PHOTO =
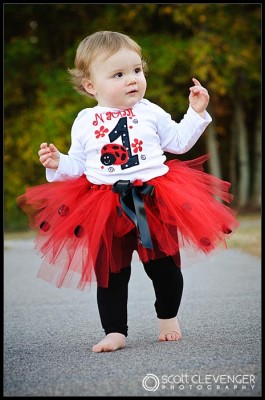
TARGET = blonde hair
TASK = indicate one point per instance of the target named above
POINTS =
(103, 42)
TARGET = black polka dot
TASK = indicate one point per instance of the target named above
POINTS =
(205, 241)
(79, 231)
(63, 210)
(45, 226)
(226, 230)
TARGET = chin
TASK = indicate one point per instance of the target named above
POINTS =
(133, 102)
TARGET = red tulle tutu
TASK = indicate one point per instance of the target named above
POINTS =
(84, 232)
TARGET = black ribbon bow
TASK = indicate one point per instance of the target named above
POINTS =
(125, 188)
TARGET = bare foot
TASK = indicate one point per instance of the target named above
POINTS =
(169, 330)
(113, 341)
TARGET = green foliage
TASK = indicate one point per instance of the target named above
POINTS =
(217, 43)
(167, 57)
(50, 120)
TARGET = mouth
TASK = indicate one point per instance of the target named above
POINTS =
(133, 91)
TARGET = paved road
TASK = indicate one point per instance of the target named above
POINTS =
(48, 334)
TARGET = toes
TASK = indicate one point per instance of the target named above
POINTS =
(174, 336)
(103, 348)
(113, 342)
(96, 349)
(171, 336)
(99, 348)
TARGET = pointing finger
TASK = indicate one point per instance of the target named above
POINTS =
(196, 82)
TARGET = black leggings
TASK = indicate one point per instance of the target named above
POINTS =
(168, 286)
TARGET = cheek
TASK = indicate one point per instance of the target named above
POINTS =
(115, 89)
(143, 84)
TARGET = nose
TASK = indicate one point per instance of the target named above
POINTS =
(131, 80)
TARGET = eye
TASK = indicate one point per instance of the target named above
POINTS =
(137, 70)
(119, 75)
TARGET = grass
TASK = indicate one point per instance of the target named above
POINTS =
(20, 235)
(247, 237)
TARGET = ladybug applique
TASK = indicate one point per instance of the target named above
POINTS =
(114, 154)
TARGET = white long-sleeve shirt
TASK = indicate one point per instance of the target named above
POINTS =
(109, 144)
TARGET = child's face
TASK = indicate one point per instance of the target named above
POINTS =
(117, 81)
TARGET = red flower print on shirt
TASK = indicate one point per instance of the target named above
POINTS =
(137, 145)
(101, 132)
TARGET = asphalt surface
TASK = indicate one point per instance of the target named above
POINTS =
(49, 332)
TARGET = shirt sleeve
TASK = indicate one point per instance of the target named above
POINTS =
(178, 138)
(71, 165)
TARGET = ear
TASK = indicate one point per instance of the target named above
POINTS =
(88, 86)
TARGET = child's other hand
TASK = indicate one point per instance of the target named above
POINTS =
(199, 97)
(49, 156)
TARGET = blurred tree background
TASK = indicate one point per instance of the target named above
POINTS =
(219, 44)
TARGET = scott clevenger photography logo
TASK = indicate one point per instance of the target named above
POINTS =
(150, 382)
(207, 382)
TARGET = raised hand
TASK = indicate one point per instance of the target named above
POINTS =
(49, 156)
(199, 97)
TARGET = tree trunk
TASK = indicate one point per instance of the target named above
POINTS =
(233, 161)
(243, 156)
(212, 147)
(256, 188)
